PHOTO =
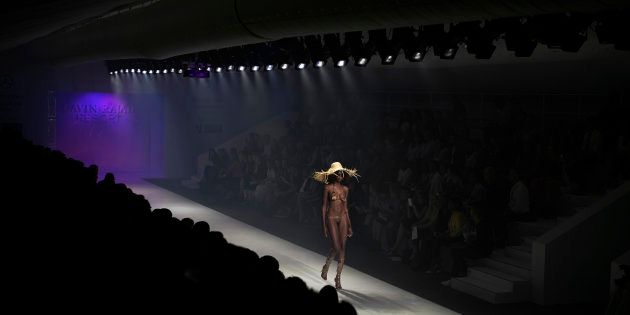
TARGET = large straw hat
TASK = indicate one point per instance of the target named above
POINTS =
(322, 176)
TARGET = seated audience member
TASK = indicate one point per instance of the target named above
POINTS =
(519, 199)
(451, 238)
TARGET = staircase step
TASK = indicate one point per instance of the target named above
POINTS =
(523, 253)
(528, 240)
(505, 267)
(534, 228)
(522, 248)
(498, 276)
(503, 256)
(483, 290)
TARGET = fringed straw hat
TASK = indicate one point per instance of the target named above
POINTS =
(322, 176)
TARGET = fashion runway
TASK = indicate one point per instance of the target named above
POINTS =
(368, 294)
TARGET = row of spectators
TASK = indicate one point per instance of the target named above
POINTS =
(75, 244)
(435, 185)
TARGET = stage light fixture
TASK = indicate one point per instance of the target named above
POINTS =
(269, 67)
(562, 31)
(388, 49)
(445, 45)
(301, 66)
(285, 52)
(339, 53)
(519, 36)
(480, 40)
(609, 29)
(317, 52)
(230, 68)
(361, 53)
(414, 44)
(255, 68)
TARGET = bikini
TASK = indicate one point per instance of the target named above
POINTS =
(335, 198)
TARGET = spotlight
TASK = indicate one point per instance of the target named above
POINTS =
(230, 67)
(172, 70)
(450, 53)
(340, 53)
(318, 53)
(164, 71)
(111, 73)
(126, 70)
(445, 45)
(218, 69)
(116, 72)
(138, 70)
(388, 49)
(241, 68)
(360, 52)
(207, 68)
(269, 67)
(414, 44)
(288, 51)
(133, 70)
(150, 71)
(255, 56)
(299, 50)
(144, 71)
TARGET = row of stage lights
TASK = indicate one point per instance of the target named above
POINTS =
(522, 35)
(241, 68)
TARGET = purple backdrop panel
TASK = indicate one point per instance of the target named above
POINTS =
(113, 131)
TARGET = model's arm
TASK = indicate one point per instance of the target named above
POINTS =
(348, 215)
(324, 208)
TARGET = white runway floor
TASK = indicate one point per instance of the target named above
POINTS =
(368, 294)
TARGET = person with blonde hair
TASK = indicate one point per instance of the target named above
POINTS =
(335, 217)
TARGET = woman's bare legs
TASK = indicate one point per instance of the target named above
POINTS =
(338, 232)
(331, 255)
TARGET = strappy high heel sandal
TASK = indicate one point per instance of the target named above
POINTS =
(338, 282)
(325, 270)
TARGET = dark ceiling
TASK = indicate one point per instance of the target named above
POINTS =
(66, 31)
(26, 20)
